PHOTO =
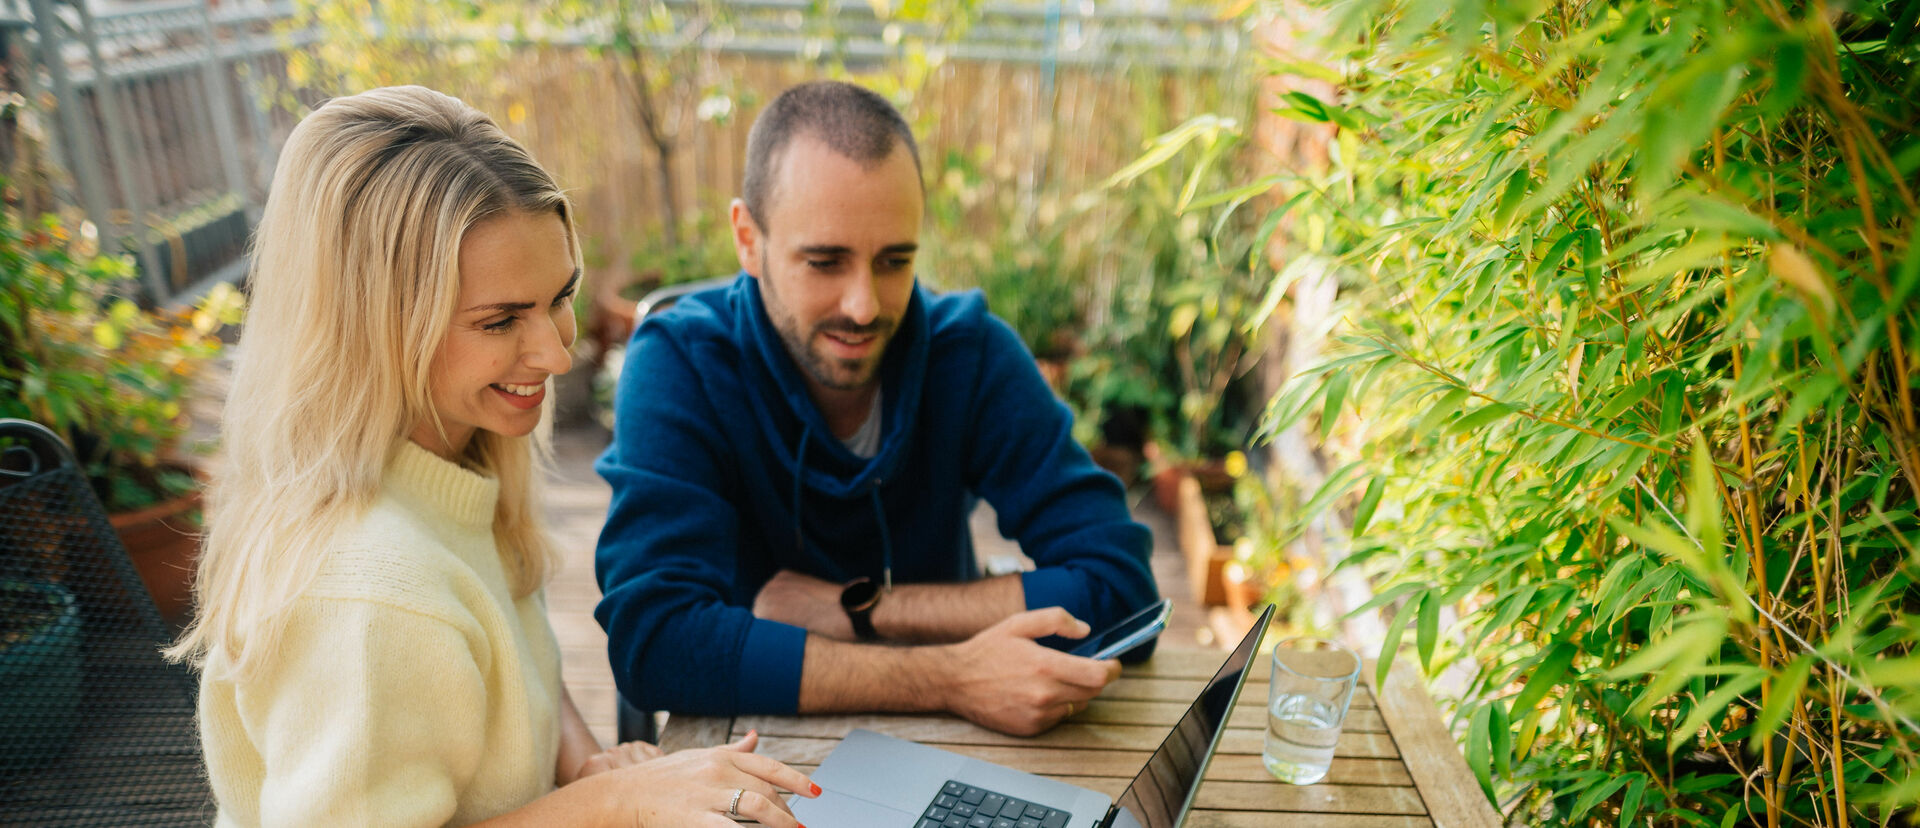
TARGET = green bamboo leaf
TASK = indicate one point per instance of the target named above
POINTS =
(1449, 404)
(1214, 147)
(1681, 115)
(1789, 78)
(1695, 254)
(1307, 105)
(1630, 802)
(1334, 486)
(1703, 711)
(1487, 414)
(1594, 796)
(1556, 255)
(1703, 502)
(1336, 396)
(1568, 166)
(1710, 214)
(1480, 748)
(1627, 398)
(1610, 594)
(1510, 198)
(1239, 193)
(1592, 259)
(1390, 595)
(1165, 147)
(1673, 389)
(1703, 629)
(1711, 568)
(1510, 609)
(1390, 644)
(1544, 677)
(1257, 252)
(1674, 660)
(1781, 694)
(1908, 278)
(1501, 731)
(1428, 632)
(1363, 514)
(1529, 733)
(1898, 672)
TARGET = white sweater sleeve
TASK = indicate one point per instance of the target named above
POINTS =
(369, 714)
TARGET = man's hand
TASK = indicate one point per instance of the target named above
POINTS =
(804, 601)
(1001, 679)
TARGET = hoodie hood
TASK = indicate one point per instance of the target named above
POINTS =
(795, 426)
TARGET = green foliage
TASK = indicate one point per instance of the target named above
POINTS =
(94, 367)
(1189, 315)
(1629, 327)
(705, 250)
(1035, 280)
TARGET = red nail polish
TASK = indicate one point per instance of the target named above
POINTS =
(816, 792)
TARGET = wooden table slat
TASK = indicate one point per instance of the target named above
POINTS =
(1395, 765)
(947, 731)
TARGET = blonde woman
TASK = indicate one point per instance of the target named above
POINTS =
(372, 631)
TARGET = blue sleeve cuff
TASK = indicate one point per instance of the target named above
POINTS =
(770, 669)
(1054, 586)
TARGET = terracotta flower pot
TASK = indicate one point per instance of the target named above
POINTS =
(1123, 462)
(615, 303)
(164, 542)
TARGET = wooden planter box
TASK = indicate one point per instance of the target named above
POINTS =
(1206, 560)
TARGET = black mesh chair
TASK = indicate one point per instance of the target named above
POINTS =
(95, 727)
(632, 723)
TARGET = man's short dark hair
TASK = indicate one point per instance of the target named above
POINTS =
(853, 121)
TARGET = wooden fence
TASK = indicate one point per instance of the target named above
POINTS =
(173, 155)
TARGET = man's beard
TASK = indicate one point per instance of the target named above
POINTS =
(830, 372)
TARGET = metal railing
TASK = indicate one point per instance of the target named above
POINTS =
(168, 145)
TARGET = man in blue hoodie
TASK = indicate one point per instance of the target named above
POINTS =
(796, 455)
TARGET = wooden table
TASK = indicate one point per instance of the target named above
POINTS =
(1395, 765)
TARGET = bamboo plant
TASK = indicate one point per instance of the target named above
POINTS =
(1628, 354)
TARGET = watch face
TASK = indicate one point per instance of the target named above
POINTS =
(859, 594)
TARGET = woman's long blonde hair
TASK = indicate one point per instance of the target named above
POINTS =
(354, 283)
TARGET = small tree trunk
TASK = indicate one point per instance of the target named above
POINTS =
(668, 183)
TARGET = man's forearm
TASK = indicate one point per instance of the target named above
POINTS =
(944, 613)
(843, 677)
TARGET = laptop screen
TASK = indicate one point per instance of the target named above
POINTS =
(1163, 791)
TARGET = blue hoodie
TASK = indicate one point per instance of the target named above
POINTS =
(724, 472)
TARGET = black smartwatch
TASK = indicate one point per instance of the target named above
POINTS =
(858, 598)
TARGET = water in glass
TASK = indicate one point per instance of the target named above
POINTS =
(1301, 732)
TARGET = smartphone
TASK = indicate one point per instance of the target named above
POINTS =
(1133, 631)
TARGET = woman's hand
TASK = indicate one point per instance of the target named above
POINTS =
(619, 756)
(696, 787)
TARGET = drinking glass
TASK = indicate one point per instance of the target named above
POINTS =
(1307, 702)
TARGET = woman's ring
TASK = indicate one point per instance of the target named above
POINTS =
(733, 808)
(1069, 708)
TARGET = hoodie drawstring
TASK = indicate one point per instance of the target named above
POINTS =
(886, 541)
(799, 475)
(879, 512)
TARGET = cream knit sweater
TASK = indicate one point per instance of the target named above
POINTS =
(411, 688)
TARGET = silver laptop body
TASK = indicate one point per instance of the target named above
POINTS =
(876, 781)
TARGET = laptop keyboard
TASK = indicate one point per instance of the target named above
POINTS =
(960, 805)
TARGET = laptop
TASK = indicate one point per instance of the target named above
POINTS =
(875, 781)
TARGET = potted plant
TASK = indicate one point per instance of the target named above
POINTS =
(79, 357)
(656, 263)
